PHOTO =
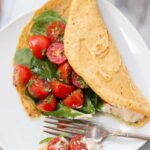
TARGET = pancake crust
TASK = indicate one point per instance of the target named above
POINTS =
(93, 55)
(102, 62)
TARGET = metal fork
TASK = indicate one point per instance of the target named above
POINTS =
(90, 129)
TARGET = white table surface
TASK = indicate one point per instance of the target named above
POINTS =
(137, 11)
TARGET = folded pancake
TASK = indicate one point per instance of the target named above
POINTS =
(91, 52)
(93, 55)
(63, 10)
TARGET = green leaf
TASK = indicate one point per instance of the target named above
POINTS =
(96, 101)
(99, 106)
(82, 82)
(65, 112)
(88, 107)
(43, 68)
(46, 140)
(92, 102)
(30, 98)
(23, 57)
(94, 98)
(43, 20)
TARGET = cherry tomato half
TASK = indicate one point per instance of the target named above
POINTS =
(55, 53)
(62, 124)
(48, 104)
(60, 90)
(58, 143)
(38, 88)
(55, 31)
(77, 144)
(39, 45)
(64, 72)
(78, 81)
(21, 75)
(75, 100)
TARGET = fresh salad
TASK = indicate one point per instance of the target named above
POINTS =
(49, 80)
(78, 142)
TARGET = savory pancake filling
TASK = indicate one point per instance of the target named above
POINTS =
(123, 113)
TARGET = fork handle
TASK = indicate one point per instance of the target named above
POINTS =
(132, 135)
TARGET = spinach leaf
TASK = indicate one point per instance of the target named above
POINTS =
(99, 106)
(82, 82)
(92, 102)
(43, 20)
(46, 140)
(43, 68)
(63, 111)
(94, 97)
(23, 56)
(96, 100)
(30, 98)
(88, 107)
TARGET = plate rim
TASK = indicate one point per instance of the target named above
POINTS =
(3, 28)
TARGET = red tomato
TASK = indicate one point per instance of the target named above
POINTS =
(39, 45)
(64, 72)
(55, 53)
(38, 88)
(62, 124)
(21, 75)
(58, 143)
(55, 30)
(77, 144)
(48, 104)
(60, 90)
(78, 81)
(75, 100)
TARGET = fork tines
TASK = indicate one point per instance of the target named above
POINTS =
(66, 127)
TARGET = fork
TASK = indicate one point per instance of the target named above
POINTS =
(91, 130)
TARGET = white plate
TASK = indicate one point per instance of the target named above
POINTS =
(18, 132)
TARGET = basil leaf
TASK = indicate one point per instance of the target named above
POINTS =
(46, 140)
(43, 68)
(63, 111)
(43, 20)
(23, 56)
